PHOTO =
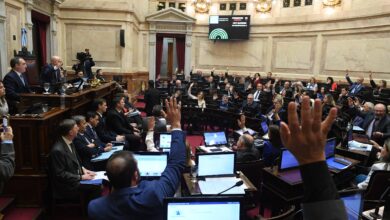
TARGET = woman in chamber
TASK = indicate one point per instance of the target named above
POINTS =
(3, 102)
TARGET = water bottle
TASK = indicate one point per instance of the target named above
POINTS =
(62, 101)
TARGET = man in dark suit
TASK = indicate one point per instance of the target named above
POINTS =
(355, 87)
(245, 150)
(152, 98)
(250, 107)
(132, 198)
(116, 121)
(7, 157)
(100, 107)
(87, 147)
(15, 83)
(377, 125)
(65, 171)
(51, 73)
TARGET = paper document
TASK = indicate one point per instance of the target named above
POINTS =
(100, 176)
(354, 145)
(241, 131)
(213, 186)
(106, 155)
(357, 128)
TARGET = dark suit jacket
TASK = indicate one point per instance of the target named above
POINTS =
(117, 122)
(13, 87)
(86, 153)
(104, 134)
(253, 108)
(64, 170)
(89, 133)
(354, 88)
(248, 155)
(152, 98)
(50, 75)
(383, 127)
(137, 202)
(7, 163)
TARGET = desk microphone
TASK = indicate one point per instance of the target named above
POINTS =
(238, 183)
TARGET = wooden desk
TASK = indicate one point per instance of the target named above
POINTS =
(76, 102)
(362, 156)
(34, 137)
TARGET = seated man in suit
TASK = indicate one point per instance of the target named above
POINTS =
(65, 170)
(245, 150)
(15, 83)
(257, 93)
(377, 125)
(250, 107)
(224, 104)
(355, 87)
(7, 158)
(152, 98)
(135, 199)
(51, 72)
(100, 107)
(87, 147)
(117, 122)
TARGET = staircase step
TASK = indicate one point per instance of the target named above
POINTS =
(6, 203)
(23, 214)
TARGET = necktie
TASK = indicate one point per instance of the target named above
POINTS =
(21, 78)
(257, 95)
(370, 128)
(80, 169)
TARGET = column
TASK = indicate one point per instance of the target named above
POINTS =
(53, 30)
(28, 24)
(3, 44)
(187, 58)
(318, 56)
(152, 55)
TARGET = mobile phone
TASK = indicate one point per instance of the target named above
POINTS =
(5, 123)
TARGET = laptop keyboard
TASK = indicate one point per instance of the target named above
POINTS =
(342, 161)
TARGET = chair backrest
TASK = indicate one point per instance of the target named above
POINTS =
(252, 170)
(379, 181)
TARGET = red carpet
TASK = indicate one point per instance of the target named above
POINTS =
(23, 214)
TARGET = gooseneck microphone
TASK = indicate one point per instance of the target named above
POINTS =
(375, 214)
(238, 183)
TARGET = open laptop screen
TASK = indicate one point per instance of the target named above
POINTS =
(215, 138)
(165, 141)
(353, 204)
(330, 147)
(216, 164)
(151, 164)
(264, 127)
(287, 160)
(194, 208)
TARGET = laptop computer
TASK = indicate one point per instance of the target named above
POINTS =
(151, 164)
(287, 160)
(264, 127)
(194, 208)
(353, 201)
(220, 164)
(216, 138)
(164, 142)
(333, 162)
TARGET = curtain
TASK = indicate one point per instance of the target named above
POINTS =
(41, 27)
(180, 51)
(159, 50)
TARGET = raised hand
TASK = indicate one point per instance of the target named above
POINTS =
(173, 112)
(306, 140)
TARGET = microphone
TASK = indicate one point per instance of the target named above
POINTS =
(238, 183)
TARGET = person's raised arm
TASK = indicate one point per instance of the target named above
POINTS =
(306, 140)
(189, 92)
(347, 77)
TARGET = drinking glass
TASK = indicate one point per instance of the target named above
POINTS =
(46, 87)
(45, 107)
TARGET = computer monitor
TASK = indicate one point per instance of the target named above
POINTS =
(195, 208)
(353, 201)
(214, 138)
(151, 164)
(287, 160)
(216, 164)
(330, 147)
(165, 140)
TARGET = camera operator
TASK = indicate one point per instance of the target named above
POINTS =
(88, 64)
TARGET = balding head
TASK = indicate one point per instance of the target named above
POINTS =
(245, 142)
(55, 60)
(122, 170)
(380, 110)
(360, 79)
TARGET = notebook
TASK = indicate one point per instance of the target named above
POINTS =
(151, 164)
(195, 208)
(333, 162)
(216, 164)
